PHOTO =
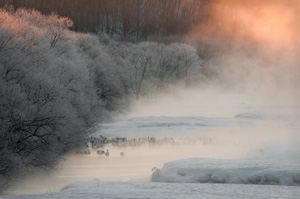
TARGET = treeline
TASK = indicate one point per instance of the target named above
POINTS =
(126, 18)
(55, 84)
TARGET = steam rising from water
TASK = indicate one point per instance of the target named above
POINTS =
(253, 47)
(268, 22)
(253, 68)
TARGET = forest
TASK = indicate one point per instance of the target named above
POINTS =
(56, 84)
(131, 19)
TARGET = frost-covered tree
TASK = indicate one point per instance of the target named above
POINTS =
(151, 66)
(44, 101)
(126, 19)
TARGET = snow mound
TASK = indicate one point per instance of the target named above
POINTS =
(241, 171)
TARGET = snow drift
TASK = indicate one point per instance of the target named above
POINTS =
(241, 171)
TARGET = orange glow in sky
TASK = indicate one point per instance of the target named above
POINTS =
(271, 22)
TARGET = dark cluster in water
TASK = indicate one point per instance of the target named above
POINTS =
(99, 143)
(102, 141)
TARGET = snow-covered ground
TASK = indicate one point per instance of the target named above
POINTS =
(149, 190)
(247, 152)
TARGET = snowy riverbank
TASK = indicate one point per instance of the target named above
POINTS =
(150, 190)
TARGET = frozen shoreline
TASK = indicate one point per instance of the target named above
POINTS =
(152, 190)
